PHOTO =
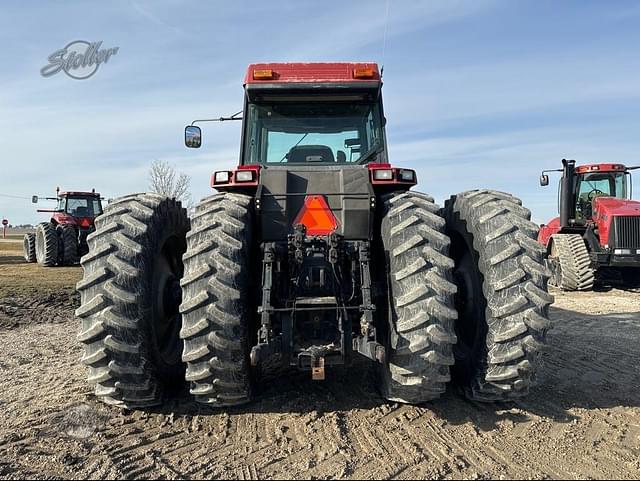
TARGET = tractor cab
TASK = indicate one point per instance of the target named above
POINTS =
(308, 115)
(593, 181)
(320, 124)
(80, 204)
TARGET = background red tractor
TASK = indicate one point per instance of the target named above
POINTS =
(63, 240)
(597, 235)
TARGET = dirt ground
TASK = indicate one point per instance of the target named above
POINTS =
(583, 421)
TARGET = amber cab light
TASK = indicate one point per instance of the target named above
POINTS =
(266, 74)
(363, 73)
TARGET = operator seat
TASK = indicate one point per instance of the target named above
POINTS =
(301, 154)
(81, 212)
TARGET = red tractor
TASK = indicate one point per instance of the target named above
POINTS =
(63, 240)
(597, 235)
(313, 253)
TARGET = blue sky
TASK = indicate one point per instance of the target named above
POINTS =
(477, 93)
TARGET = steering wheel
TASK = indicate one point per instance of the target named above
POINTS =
(592, 195)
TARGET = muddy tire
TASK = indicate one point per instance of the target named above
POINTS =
(570, 263)
(502, 298)
(216, 313)
(130, 295)
(69, 242)
(29, 247)
(46, 244)
(421, 320)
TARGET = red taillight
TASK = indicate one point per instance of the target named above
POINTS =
(85, 222)
(316, 216)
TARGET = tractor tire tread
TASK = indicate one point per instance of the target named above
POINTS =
(215, 308)
(29, 247)
(421, 289)
(46, 244)
(70, 246)
(114, 333)
(575, 264)
(514, 286)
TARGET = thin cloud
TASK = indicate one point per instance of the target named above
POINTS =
(477, 94)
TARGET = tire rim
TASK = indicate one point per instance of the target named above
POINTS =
(469, 301)
(167, 296)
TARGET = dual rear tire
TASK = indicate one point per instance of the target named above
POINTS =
(469, 294)
(130, 298)
(149, 321)
(52, 245)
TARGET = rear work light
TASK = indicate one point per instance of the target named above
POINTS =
(383, 174)
(407, 175)
(266, 74)
(316, 216)
(222, 177)
(244, 176)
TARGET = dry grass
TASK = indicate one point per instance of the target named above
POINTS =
(12, 237)
(19, 278)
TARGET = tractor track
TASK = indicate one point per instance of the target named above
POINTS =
(582, 422)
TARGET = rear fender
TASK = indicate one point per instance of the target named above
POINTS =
(63, 218)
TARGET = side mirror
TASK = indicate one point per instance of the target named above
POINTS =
(544, 180)
(192, 136)
(34, 199)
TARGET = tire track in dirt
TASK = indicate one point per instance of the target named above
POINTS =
(583, 421)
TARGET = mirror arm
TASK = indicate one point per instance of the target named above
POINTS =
(220, 119)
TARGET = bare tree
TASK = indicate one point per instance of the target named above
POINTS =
(164, 180)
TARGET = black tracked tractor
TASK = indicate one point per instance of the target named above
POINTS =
(313, 252)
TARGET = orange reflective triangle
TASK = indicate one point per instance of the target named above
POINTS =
(316, 216)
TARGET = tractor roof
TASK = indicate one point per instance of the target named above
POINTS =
(79, 194)
(280, 74)
(583, 169)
